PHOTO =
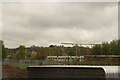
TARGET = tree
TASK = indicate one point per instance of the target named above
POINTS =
(96, 50)
(44, 51)
(4, 51)
(114, 47)
(33, 55)
(18, 55)
(41, 56)
(1, 49)
(21, 53)
(105, 48)
(52, 46)
(118, 47)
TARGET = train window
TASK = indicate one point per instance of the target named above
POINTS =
(65, 72)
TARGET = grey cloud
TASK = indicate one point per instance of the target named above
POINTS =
(46, 23)
(68, 16)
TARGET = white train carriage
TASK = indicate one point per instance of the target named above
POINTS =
(64, 58)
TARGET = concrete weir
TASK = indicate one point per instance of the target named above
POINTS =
(74, 72)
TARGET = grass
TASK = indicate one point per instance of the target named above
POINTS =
(108, 62)
(21, 65)
(99, 62)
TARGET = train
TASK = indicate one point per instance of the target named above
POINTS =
(86, 57)
(64, 58)
(73, 72)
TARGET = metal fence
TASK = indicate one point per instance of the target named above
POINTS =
(9, 61)
(57, 62)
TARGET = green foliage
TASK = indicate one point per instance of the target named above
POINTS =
(118, 47)
(43, 53)
(96, 50)
(0, 49)
(55, 51)
(4, 52)
(83, 51)
(106, 48)
(20, 54)
(41, 56)
(77, 50)
(33, 55)
(114, 47)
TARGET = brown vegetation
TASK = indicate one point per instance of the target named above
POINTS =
(12, 72)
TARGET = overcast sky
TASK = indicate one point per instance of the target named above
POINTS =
(49, 23)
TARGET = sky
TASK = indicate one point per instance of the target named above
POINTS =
(53, 23)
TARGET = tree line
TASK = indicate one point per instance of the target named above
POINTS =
(107, 48)
(40, 53)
